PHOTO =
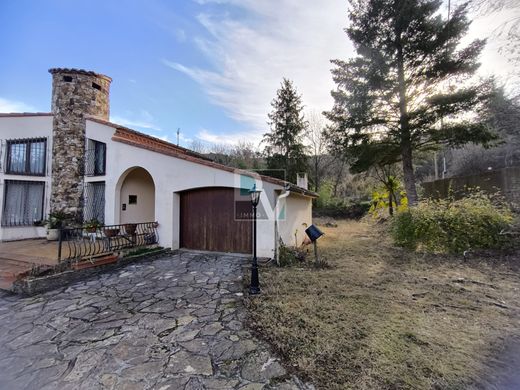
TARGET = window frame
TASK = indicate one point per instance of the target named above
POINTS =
(93, 146)
(89, 196)
(27, 163)
(7, 182)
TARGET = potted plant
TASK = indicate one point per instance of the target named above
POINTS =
(130, 228)
(54, 223)
(91, 226)
(38, 223)
(111, 231)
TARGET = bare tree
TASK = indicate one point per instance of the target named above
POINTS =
(246, 155)
(315, 138)
(508, 33)
(199, 146)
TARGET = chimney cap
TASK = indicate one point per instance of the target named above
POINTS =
(79, 71)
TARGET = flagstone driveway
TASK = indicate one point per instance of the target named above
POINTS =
(176, 322)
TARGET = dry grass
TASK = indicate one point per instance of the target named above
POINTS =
(385, 318)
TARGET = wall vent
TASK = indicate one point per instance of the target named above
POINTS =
(67, 79)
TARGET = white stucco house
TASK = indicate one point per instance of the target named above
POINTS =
(74, 158)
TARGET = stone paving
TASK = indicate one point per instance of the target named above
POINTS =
(176, 322)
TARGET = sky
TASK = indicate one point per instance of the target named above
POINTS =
(207, 67)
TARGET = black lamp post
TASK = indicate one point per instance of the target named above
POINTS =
(254, 288)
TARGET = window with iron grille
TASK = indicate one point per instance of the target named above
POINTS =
(26, 156)
(95, 201)
(23, 202)
(96, 158)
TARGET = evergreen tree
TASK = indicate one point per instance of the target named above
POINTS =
(284, 147)
(409, 88)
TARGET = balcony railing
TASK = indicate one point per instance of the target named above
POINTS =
(81, 243)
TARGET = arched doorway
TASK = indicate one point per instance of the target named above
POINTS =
(137, 196)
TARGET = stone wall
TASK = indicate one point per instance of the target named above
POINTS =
(75, 94)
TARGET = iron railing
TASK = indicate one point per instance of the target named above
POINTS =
(81, 243)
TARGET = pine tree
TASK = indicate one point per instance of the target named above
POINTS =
(284, 148)
(409, 88)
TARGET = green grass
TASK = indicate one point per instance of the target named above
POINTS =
(386, 318)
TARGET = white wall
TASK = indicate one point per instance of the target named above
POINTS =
(18, 128)
(170, 175)
(298, 217)
(138, 183)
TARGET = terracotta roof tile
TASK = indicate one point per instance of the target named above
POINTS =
(21, 114)
(78, 71)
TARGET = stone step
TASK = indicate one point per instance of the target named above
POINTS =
(11, 270)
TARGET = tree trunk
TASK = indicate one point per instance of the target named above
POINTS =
(337, 179)
(316, 176)
(390, 203)
(409, 176)
(406, 142)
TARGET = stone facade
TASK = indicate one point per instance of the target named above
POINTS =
(75, 95)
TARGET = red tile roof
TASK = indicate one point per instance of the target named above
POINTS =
(79, 71)
(19, 114)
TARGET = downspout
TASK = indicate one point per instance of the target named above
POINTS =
(276, 213)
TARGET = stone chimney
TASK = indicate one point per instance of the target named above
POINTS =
(76, 93)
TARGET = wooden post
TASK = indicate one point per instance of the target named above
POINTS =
(316, 258)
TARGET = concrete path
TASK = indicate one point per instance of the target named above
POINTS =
(176, 322)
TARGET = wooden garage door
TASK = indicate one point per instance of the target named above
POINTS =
(207, 221)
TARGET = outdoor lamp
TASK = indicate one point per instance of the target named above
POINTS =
(254, 287)
(255, 195)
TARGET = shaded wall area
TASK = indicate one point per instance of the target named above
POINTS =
(506, 180)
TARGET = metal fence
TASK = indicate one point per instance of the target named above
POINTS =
(80, 243)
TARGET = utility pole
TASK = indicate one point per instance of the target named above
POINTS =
(178, 133)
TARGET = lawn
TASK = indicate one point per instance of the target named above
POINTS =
(384, 318)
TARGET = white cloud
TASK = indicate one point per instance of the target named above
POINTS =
(142, 120)
(282, 38)
(7, 105)
(250, 56)
(227, 139)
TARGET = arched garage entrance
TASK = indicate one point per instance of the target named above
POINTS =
(137, 197)
(212, 219)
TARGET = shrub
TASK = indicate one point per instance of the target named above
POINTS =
(341, 209)
(288, 256)
(453, 226)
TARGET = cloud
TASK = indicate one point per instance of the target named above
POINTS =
(251, 53)
(142, 120)
(7, 105)
(250, 56)
(227, 139)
